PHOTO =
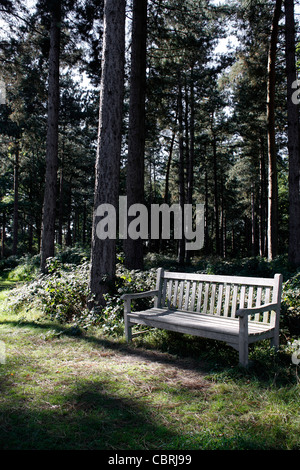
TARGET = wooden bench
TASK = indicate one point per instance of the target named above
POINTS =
(237, 310)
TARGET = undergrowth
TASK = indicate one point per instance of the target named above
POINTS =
(63, 293)
(66, 384)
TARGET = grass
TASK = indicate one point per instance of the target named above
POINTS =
(60, 390)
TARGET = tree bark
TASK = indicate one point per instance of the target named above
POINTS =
(191, 153)
(181, 250)
(272, 156)
(3, 234)
(16, 200)
(216, 193)
(136, 137)
(166, 195)
(103, 252)
(49, 206)
(190, 178)
(293, 139)
(262, 201)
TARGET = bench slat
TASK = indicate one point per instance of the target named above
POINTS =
(212, 299)
(258, 302)
(267, 300)
(250, 297)
(234, 300)
(242, 296)
(227, 296)
(220, 300)
(242, 280)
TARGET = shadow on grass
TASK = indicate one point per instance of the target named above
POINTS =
(90, 419)
(207, 357)
(185, 363)
(85, 414)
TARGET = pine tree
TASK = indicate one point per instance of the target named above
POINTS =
(103, 255)
(293, 139)
(49, 206)
(136, 134)
(272, 154)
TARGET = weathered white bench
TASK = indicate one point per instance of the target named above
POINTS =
(237, 310)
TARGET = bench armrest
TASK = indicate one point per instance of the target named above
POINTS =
(242, 312)
(140, 295)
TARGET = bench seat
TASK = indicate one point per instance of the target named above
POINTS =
(178, 320)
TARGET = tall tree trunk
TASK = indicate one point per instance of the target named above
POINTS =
(84, 224)
(190, 176)
(16, 200)
(3, 234)
(166, 195)
(272, 156)
(136, 138)
(253, 221)
(206, 228)
(181, 251)
(215, 169)
(223, 247)
(103, 252)
(61, 206)
(262, 200)
(191, 153)
(293, 139)
(49, 206)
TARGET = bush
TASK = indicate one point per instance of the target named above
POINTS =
(112, 318)
(27, 269)
(291, 305)
(62, 295)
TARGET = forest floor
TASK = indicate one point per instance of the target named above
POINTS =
(64, 391)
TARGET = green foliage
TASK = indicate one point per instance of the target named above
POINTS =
(66, 291)
(63, 293)
(127, 281)
(254, 266)
(26, 268)
(291, 306)
(291, 292)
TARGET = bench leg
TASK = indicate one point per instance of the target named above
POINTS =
(128, 332)
(128, 328)
(243, 355)
(243, 342)
(274, 343)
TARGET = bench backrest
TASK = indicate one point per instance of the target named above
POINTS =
(218, 295)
